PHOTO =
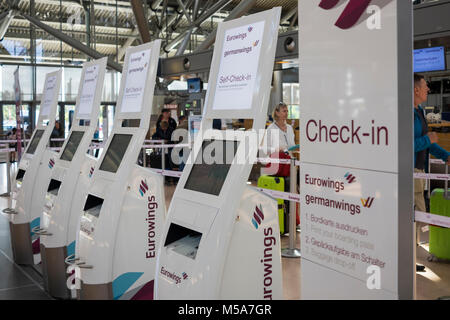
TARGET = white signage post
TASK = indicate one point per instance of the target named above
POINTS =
(356, 140)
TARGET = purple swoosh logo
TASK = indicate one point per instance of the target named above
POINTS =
(351, 14)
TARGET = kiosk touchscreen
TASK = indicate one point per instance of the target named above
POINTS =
(221, 238)
(122, 210)
(69, 176)
(32, 176)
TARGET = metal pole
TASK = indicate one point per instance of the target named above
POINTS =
(144, 160)
(292, 252)
(242, 8)
(163, 162)
(71, 41)
(8, 177)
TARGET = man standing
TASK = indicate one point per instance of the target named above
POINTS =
(424, 142)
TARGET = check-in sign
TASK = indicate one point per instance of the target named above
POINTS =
(355, 79)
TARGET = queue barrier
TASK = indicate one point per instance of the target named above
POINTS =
(425, 217)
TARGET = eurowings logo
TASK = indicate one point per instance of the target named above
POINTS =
(351, 14)
(367, 203)
(350, 178)
(255, 43)
(51, 163)
(185, 276)
(250, 29)
(143, 187)
(91, 172)
(258, 216)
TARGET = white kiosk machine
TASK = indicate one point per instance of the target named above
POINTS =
(124, 207)
(32, 176)
(66, 180)
(221, 239)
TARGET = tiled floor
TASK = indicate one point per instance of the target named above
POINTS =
(21, 282)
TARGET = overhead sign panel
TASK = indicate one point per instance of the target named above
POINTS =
(136, 80)
(238, 67)
(88, 92)
(48, 95)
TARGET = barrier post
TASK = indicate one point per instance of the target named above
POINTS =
(144, 158)
(291, 251)
(8, 176)
(163, 162)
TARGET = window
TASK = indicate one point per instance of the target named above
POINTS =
(291, 96)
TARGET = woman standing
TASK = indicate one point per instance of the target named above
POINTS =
(279, 135)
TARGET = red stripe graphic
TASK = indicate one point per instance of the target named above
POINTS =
(258, 220)
(328, 4)
(144, 185)
(259, 212)
(351, 14)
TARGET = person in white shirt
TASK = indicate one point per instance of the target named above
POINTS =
(279, 134)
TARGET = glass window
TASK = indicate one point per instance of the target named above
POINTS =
(111, 86)
(9, 116)
(69, 111)
(72, 78)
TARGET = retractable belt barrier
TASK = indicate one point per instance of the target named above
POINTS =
(425, 217)
(432, 219)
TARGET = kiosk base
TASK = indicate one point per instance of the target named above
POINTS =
(54, 271)
(21, 243)
(95, 291)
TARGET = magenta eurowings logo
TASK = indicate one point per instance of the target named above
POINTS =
(351, 14)
(258, 216)
(350, 178)
(143, 187)
(51, 163)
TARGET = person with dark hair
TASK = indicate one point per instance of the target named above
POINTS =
(56, 134)
(425, 142)
(12, 135)
(165, 116)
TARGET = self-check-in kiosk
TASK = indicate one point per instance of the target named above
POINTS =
(221, 237)
(66, 179)
(124, 207)
(32, 177)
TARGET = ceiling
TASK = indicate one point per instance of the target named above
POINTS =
(113, 26)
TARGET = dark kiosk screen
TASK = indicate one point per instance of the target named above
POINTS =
(72, 145)
(211, 167)
(116, 150)
(34, 143)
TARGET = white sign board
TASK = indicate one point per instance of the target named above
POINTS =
(238, 66)
(351, 91)
(133, 93)
(348, 222)
(88, 92)
(48, 95)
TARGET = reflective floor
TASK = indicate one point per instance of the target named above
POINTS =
(21, 282)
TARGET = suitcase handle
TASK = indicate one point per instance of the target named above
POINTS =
(446, 196)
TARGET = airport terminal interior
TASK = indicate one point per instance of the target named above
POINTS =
(61, 80)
